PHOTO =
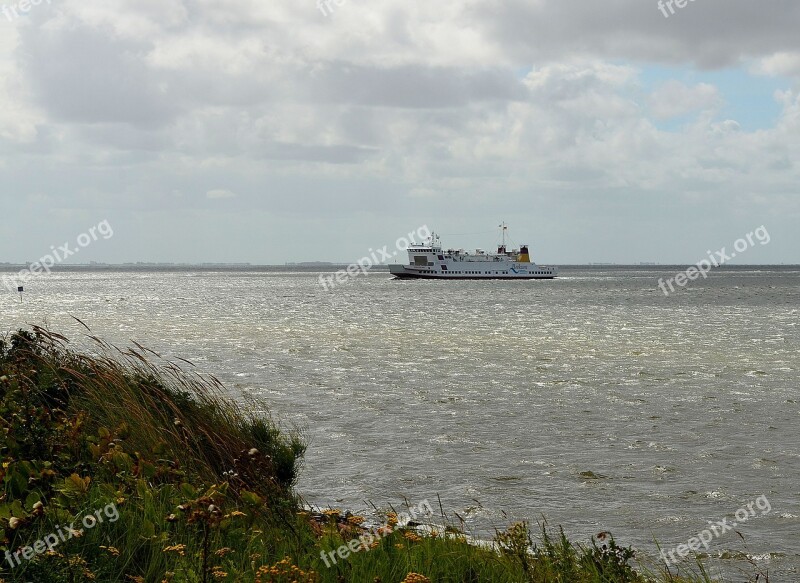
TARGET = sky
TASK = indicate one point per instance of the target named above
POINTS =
(272, 132)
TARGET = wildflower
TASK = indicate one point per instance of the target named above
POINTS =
(172, 518)
(180, 549)
(14, 522)
(223, 551)
(111, 550)
(355, 519)
(414, 538)
(332, 515)
(285, 568)
(415, 578)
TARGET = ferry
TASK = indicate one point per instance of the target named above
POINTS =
(429, 261)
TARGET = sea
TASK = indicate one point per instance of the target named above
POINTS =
(593, 402)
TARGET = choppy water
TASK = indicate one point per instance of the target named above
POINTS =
(500, 397)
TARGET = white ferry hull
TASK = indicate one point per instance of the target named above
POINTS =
(408, 272)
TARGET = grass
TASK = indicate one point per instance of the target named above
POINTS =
(186, 485)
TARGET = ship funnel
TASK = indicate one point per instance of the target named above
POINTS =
(523, 256)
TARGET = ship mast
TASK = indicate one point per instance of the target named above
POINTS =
(503, 228)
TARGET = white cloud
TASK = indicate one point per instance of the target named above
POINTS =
(675, 99)
(220, 193)
(781, 63)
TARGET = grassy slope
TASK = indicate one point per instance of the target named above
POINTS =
(191, 487)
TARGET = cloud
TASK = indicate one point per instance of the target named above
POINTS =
(470, 106)
(83, 75)
(675, 99)
(706, 34)
(219, 193)
(782, 63)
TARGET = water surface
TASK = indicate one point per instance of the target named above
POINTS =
(591, 400)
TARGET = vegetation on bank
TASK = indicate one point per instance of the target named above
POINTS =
(183, 484)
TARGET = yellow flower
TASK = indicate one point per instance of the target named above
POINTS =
(180, 549)
(355, 520)
(416, 578)
(285, 568)
(111, 550)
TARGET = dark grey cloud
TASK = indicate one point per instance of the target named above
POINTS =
(708, 33)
